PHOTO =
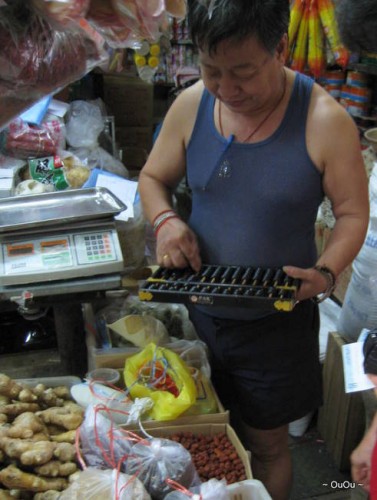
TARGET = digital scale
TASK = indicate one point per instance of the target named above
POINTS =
(59, 242)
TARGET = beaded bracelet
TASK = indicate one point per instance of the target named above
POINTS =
(163, 217)
(331, 283)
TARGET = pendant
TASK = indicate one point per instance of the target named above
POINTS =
(225, 169)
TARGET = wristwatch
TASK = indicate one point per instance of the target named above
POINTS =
(331, 283)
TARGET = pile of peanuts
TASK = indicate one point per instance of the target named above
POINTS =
(213, 456)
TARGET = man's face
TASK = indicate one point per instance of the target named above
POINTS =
(243, 75)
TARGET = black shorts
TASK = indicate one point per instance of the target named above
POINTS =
(268, 367)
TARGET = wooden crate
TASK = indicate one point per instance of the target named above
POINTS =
(341, 419)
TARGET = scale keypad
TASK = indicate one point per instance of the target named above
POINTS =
(94, 248)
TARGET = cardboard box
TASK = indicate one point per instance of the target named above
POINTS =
(341, 419)
(343, 281)
(208, 430)
(133, 158)
(136, 137)
(118, 360)
(322, 234)
(129, 100)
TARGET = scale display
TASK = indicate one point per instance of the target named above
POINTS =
(31, 259)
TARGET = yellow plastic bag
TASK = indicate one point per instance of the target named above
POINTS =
(160, 374)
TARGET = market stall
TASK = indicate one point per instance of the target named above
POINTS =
(153, 430)
(156, 427)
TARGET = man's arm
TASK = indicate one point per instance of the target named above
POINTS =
(166, 166)
(334, 145)
(362, 455)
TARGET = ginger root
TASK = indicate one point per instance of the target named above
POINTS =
(27, 396)
(15, 409)
(53, 396)
(5, 495)
(55, 468)
(69, 417)
(27, 451)
(63, 392)
(64, 437)
(12, 477)
(26, 425)
(65, 452)
(8, 387)
(48, 398)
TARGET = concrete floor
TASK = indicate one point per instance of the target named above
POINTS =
(315, 473)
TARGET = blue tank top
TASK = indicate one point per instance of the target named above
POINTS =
(254, 204)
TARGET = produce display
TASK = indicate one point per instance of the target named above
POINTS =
(37, 434)
(213, 456)
(313, 29)
(52, 448)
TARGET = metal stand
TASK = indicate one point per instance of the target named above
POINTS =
(70, 334)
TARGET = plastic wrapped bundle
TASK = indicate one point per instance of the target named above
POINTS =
(37, 58)
(22, 140)
(96, 484)
(62, 11)
(157, 461)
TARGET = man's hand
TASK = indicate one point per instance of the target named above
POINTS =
(360, 464)
(312, 281)
(177, 246)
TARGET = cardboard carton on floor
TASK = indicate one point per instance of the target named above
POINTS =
(341, 419)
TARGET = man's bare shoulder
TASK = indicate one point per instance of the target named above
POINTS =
(184, 109)
(331, 131)
(326, 112)
(190, 97)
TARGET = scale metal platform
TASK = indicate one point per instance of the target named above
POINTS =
(59, 242)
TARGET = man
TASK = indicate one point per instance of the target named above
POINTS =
(260, 147)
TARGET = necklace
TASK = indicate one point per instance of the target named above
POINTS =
(260, 125)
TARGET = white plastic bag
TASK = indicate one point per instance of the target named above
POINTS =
(211, 490)
(97, 484)
(84, 124)
(155, 460)
(141, 330)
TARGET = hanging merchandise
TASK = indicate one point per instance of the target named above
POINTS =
(300, 48)
(316, 53)
(62, 11)
(297, 12)
(326, 10)
(48, 44)
(313, 29)
(147, 60)
(38, 57)
(124, 23)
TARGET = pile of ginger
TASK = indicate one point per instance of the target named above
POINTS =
(37, 435)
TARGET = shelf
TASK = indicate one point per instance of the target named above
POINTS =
(182, 42)
(364, 68)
